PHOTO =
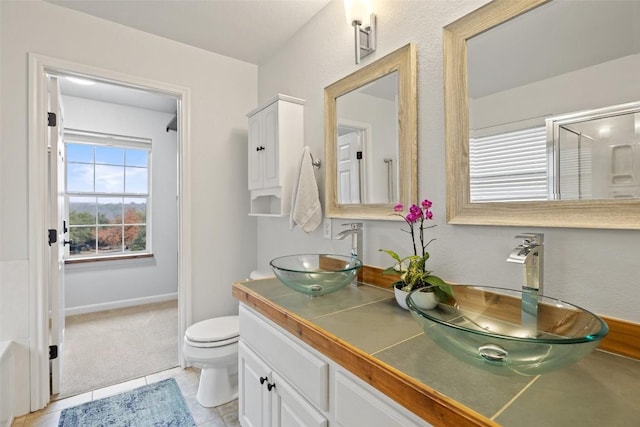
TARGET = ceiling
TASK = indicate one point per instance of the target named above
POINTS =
(247, 30)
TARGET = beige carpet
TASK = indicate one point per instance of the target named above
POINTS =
(113, 346)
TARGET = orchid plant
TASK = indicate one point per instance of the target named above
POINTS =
(412, 268)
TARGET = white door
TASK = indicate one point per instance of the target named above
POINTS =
(349, 144)
(57, 227)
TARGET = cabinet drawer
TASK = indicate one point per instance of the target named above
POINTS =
(303, 370)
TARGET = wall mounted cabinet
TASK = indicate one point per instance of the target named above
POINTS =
(276, 134)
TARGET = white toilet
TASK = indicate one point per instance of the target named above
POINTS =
(260, 274)
(212, 345)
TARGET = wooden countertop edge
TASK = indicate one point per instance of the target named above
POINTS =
(417, 397)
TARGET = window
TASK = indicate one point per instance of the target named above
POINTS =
(509, 166)
(107, 195)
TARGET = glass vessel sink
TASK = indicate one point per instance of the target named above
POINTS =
(510, 332)
(316, 274)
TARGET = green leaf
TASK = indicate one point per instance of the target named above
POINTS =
(391, 270)
(434, 280)
(392, 254)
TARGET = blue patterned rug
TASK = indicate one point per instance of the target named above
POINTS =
(159, 404)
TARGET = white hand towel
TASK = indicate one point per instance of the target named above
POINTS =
(306, 210)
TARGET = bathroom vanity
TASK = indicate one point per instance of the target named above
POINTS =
(284, 382)
(354, 357)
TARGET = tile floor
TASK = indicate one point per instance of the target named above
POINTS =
(221, 416)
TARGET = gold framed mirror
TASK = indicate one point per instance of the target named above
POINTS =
(371, 138)
(611, 212)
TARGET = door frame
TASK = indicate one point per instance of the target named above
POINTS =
(39, 296)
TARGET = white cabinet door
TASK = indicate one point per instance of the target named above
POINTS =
(271, 142)
(290, 409)
(254, 400)
(255, 152)
(264, 139)
(358, 404)
(308, 373)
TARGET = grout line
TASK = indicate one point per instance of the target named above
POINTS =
(395, 344)
(350, 308)
(513, 399)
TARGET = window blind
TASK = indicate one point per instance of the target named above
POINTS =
(510, 166)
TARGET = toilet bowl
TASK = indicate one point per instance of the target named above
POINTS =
(212, 345)
(260, 274)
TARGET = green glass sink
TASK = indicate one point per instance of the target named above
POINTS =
(316, 274)
(509, 332)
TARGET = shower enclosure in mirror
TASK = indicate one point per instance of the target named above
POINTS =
(587, 155)
(518, 80)
(371, 138)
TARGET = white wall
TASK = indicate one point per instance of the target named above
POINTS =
(221, 92)
(596, 269)
(563, 94)
(98, 285)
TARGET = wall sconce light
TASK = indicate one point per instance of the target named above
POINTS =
(365, 35)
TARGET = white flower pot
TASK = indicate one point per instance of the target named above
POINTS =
(401, 297)
(425, 299)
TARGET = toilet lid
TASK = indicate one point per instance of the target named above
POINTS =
(212, 330)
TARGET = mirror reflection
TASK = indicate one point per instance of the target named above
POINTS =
(371, 133)
(513, 68)
(367, 143)
(521, 147)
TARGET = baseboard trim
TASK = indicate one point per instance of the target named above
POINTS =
(119, 304)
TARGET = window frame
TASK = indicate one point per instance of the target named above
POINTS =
(73, 136)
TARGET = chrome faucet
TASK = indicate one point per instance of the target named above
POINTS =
(355, 231)
(531, 255)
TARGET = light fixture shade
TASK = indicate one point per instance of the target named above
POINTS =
(357, 10)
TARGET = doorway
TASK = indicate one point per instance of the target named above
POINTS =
(43, 295)
(118, 186)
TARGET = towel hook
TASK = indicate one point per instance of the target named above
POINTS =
(315, 162)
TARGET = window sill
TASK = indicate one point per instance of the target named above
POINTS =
(106, 258)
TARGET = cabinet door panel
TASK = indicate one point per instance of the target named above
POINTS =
(253, 400)
(270, 141)
(290, 409)
(357, 406)
(255, 152)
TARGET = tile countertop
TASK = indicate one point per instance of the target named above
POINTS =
(602, 389)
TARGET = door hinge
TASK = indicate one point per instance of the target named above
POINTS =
(53, 236)
(52, 120)
(53, 352)
(359, 155)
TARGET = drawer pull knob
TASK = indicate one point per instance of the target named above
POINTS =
(271, 386)
(263, 379)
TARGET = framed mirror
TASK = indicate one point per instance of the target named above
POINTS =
(517, 76)
(371, 139)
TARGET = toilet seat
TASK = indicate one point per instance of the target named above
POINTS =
(216, 332)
